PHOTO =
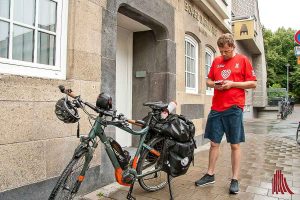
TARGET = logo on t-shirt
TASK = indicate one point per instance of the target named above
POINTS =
(226, 73)
(220, 65)
(237, 65)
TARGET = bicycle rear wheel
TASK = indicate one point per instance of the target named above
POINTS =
(297, 133)
(70, 180)
(149, 162)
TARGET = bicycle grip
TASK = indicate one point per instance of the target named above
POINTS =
(68, 92)
(134, 122)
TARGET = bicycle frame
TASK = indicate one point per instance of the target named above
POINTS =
(97, 130)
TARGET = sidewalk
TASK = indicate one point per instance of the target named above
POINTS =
(270, 145)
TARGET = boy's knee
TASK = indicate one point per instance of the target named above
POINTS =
(214, 145)
(235, 147)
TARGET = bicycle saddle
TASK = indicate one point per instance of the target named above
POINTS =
(156, 105)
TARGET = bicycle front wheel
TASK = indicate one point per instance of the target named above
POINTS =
(149, 162)
(70, 180)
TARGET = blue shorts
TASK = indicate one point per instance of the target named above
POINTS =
(229, 122)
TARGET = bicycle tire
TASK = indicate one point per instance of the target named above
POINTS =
(68, 180)
(152, 162)
(297, 133)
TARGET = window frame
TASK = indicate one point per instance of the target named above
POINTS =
(192, 41)
(17, 67)
(208, 50)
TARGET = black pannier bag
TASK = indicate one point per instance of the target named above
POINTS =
(178, 128)
(177, 157)
(179, 143)
(175, 126)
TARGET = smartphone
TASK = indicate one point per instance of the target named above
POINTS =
(218, 82)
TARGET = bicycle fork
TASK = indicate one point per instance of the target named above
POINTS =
(81, 176)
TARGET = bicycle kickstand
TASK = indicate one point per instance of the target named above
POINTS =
(129, 196)
(170, 188)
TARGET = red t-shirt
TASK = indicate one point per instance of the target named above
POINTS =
(237, 69)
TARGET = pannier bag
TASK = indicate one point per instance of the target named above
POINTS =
(177, 157)
(179, 146)
(175, 126)
(178, 128)
(179, 143)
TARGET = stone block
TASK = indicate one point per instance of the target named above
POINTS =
(199, 126)
(109, 35)
(86, 30)
(30, 121)
(108, 76)
(84, 66)
(193, 111)
(22, 164)
(58, 153)
(17, 88)
(89, 90)
(101, 3)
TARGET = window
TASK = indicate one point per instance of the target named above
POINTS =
(209, 56)
(33, 40)
(191, 65)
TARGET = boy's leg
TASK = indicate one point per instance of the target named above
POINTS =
(213, 156)
(233, 124)
(214, 132)
(235, 160)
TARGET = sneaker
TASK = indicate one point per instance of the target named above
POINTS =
(234, 187)
(206, 179)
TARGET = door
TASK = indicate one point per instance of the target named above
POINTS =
(124, 81)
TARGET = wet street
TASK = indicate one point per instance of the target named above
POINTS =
(270, 146)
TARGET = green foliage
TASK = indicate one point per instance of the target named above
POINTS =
(275, 91)
(295, 80)
(100, 194)
(279, 50)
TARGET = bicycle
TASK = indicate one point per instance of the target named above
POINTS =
(146, 164)
(285, 108)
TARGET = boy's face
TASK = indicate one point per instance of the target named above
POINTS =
(226, 51)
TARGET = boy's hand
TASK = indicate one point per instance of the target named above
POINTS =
(227, 84)
(218, 85)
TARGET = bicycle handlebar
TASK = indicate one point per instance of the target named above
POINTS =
(70, 93)
(110, 113)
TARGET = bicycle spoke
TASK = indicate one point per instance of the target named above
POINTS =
(149, 163)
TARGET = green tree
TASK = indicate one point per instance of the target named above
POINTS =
(279, 50)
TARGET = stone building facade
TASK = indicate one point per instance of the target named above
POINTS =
(135, 50)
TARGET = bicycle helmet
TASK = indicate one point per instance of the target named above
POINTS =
(65, 111)
(104, 101)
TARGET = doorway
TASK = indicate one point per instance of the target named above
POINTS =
(124, 55)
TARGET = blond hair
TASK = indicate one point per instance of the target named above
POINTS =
(226, 38)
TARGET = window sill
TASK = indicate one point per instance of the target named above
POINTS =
(32, 71)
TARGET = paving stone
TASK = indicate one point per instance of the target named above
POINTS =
(257, 190)
(261, 197)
